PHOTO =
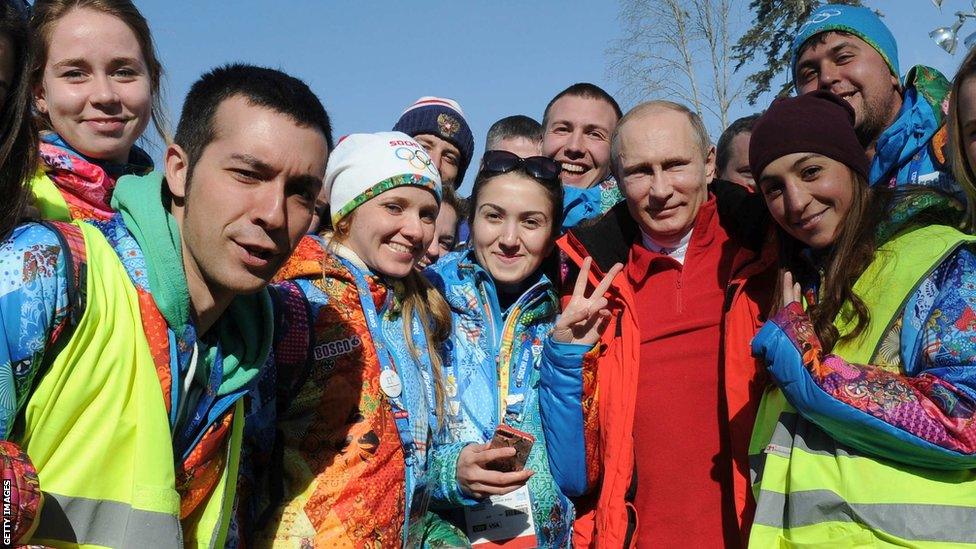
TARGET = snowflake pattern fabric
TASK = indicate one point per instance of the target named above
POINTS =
(484, 340)
(935, 397)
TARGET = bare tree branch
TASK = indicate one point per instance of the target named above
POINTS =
(679, 50)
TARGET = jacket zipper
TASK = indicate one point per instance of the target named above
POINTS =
(677, 293)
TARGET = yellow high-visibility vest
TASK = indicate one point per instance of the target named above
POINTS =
(97, 430)
(812, 491)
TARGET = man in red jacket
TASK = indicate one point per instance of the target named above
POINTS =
(669, 414)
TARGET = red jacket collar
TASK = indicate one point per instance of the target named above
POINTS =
(641, 261)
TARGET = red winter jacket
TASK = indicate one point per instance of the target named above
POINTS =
(606, 517)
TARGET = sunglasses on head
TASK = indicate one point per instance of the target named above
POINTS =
(539, 167)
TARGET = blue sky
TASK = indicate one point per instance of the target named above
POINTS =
(368, 60)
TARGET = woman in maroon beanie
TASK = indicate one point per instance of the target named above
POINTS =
(867, 431)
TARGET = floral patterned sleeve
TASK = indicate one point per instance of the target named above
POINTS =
(33, 303)
(591, 420)
(924, 414)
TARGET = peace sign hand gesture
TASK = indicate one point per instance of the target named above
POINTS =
(583, 318)
(790, 290)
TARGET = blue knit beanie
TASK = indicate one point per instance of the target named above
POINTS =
(443, 118)
(861, 22)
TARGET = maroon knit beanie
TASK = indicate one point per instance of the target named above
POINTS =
(818, 122)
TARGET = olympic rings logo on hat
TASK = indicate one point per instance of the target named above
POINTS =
(819, 18)
(417, 158)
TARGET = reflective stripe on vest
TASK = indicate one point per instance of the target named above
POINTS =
(812, 491)
(97, 430)
(102, 523)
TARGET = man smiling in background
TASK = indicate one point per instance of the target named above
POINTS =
(576, 130)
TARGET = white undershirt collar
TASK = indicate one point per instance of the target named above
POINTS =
(674, 249)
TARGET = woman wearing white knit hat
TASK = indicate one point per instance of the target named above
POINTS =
(355, 421)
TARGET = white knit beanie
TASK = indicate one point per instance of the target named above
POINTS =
(364, 165)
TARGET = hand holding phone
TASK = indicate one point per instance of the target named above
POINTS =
(509, 437)
(478, 472)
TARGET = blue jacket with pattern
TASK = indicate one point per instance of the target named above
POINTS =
(485, 342)
(912, 150)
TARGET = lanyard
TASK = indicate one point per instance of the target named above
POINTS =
(390, 381)
(201, 412)
(517, 396)
(418, 496)
(915, 167)
(512, 390)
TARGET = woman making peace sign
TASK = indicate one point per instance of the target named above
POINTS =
(507, 351)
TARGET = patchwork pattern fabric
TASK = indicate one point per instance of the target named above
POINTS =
(912, 149)
(24, 496)
(33, 273)
(199, 471)
(344, 470)
(85, 186)
(582, 204)
(28, 287)
(937, 401)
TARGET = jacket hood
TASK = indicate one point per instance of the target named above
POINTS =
(913, 206)
(455, 273)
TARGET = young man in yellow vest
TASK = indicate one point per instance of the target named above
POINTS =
(126, 346)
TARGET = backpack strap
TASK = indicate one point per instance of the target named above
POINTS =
(293, 346)
(293, 360)
(73, 244)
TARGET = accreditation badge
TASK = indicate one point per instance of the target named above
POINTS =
(502, 522)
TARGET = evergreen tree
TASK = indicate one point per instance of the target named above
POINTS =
(768, 41)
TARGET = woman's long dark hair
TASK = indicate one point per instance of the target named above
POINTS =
(18, 138)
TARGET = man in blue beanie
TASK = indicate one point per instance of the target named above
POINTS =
(439, 126)
(901, 123)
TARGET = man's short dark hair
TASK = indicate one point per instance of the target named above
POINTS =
(261, 87)
(587, 91)
(724, 148)
(512, 127)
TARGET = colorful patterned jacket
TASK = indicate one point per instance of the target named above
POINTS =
(485, 342)
(912, 150)
(921, 396)
(325, 466)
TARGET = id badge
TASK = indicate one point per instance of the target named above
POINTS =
(502, 521)
(417, 519)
